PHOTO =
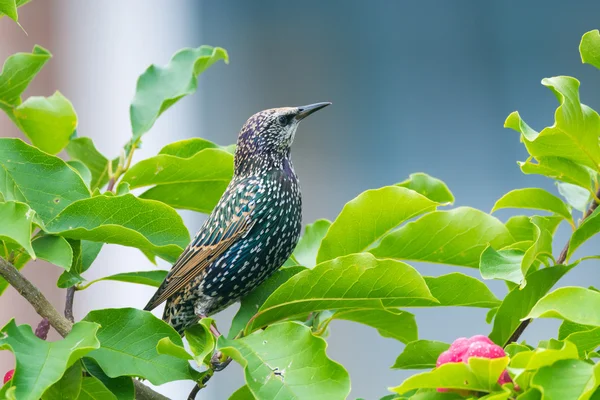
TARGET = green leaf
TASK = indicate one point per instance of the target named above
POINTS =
(420, 354)
(567, 379)
(568, 327)
(167, 347)
(121, 387)
(48, 122)
(561, 169)
(17, 219)
(588, 228)
(534, 360)
(82, 170)
(367, 218)
(480, 374)
(354, 281)
(589, 48)
(18, 71)
(201, 340)
(430, 187)
(250, 304)
(472, 293)
(158, 88)
(574, 133)
(150, 278)
(82, 149)
(40, 364)
(456, 237)
(94, 389)
(55, 250)
(84, 254)
(308, 245)
(154, 228)
(519, 302)
(533, 198)
(576, 196)
(242, 393)
(46, 183)
(513, 264)
(202, 178)
(286, 361)
(575, 304)
(68, 387)
(522, 228)
(128, 340)
(586, 341)
(390, 323)
(9, 8)
(189, 147)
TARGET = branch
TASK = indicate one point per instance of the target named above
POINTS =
(69, 304)
(560, 260)
(63, 326)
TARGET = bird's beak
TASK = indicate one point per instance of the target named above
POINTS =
(305, 111)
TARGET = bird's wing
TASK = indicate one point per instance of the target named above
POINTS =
(223, 228)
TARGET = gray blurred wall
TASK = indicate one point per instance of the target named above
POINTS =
(416, 86)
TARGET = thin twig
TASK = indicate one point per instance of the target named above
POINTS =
(560, 260)
(62, 325)
(69, 304)
(194, 392)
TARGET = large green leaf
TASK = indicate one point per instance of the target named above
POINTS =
(82, 170)
(588, 228)
(43, 181)
(83, 149)
(480, 374)
(158, 88)
(541, 357)
(286, 361)
(568, 327)
(368, 217)
(93, 389)
(250, 304)
(573, 136)
(586, 341)
(420, 354)
(40, 364)
(390, 323)
(68, 387)
(242, 393)
(308, 245)
(17, 220)
(430, 187)
(472, 293)
(150, 278)
(9, 8)
(128, 340)
(456, 237)
(519, 302)
(350, 282)
(48, 122)
(194, 183)
(589, 48)
(567, 379)
(18, 71)
(533, 198)
(122, 387)
(561, 169)
(576, 196)
(188, 147)
(576, 304)
(154, 228)
(54, 249)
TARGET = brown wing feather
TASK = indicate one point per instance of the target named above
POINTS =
(196, 258)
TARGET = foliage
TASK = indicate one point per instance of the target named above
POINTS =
(63, 206)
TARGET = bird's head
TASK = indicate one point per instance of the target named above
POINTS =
(266, 138)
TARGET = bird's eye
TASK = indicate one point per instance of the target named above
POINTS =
(284, 119)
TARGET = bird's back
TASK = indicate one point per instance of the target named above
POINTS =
(269, 204)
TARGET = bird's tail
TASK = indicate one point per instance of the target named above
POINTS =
(178, 318)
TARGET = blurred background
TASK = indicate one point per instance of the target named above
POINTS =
(416, 86)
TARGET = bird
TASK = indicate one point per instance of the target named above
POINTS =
(252, 230)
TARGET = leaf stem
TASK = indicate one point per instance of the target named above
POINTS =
(560, 260)
(62, 325)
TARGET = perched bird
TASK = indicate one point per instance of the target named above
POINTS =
(252, 230)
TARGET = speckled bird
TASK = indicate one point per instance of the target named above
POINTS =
(252, 230)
